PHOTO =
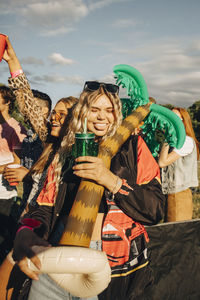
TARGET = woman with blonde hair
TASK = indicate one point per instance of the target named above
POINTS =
(179, 172)
(132, 198)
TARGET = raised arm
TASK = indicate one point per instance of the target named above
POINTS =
(26, 102)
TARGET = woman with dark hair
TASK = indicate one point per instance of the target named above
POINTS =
(179, 172)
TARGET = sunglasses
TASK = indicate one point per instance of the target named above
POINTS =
(95, 85)
(57, 115)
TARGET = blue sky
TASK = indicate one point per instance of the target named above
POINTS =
(63, 43)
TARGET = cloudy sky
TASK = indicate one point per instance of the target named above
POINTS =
(63, 43)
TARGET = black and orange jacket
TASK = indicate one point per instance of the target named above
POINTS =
(140, 197)
(124, 238)
(138, 202)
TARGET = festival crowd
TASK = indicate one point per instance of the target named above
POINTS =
(40, 178)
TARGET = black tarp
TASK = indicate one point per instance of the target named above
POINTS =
(174, 250)
(175, 260)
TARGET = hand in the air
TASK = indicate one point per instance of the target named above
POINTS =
(9, 52)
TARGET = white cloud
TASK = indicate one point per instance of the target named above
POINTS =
(170, 68)
(109, 78)
(125, 23)
(32, 61)
(194, 47)
(93, 4)
(181, 89)
(173, 63)
(57, 31)
(10, 6)
(55, 12)
(56, 78)
(57, 58)
(50, 16)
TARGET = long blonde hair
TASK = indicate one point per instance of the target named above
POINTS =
(80, 111)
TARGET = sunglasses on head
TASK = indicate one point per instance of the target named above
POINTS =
(95, 85)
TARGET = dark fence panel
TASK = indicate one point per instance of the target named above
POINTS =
(175, 260)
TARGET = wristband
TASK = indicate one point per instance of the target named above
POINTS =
(117, 185)
(22, 227)
(16, 73)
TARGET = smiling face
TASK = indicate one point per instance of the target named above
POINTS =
(101, 116)
(57, 118)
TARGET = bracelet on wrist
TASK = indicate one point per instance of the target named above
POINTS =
(16, 73)
(117, 185)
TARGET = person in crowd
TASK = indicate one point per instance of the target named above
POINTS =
(179, 172)
(32, 148)
(32, 145)
(133, 189)
(65, 104)
(11, 137)
(35, 112)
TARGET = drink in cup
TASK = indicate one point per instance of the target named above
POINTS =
(2, 45)
(14, 166)
(85, 144)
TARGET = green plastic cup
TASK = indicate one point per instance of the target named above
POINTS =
(85, 145)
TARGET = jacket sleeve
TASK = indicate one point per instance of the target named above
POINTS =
(28, 106)
(43, 214)
(140, 196)
(143, 203)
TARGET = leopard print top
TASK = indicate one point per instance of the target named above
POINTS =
(28, 106)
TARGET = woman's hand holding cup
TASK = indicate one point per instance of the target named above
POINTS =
(14, 173)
